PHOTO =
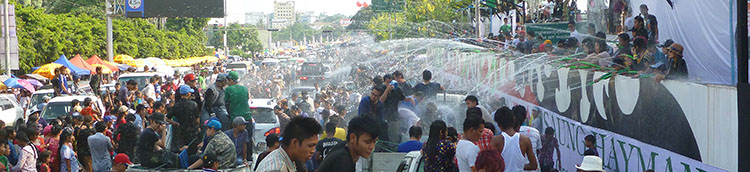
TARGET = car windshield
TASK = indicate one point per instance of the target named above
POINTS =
(54, 110)
(141, 80)
(39, 98)
(263, 115)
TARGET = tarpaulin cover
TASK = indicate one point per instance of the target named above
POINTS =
(64, 61)
(96, 60)
(78, 62)
(705, 29)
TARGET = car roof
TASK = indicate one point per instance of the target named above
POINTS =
(262, 103)
(71, 98)
(45, 91)
(140, 74)
(414, 154)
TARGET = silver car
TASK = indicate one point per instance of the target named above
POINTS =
(266, 122)
(10, 109)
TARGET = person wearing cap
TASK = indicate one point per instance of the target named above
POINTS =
(41, 106)
(590, 164)
(211, 163)
(236, 100)
(213, 102)
(100, 146)
(676, 68)
(121, 163)
(240, 137)
(186, 115)
(220, 145)
(192, 81)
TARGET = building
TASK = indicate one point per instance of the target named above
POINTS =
(283, 14)
(307, 17)
(280, 23)
(257, 18)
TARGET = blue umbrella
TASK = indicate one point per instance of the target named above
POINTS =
(18, 83)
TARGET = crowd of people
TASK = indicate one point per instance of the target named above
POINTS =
(199, 120)
(637, 52)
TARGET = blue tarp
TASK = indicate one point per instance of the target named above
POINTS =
(64, 61)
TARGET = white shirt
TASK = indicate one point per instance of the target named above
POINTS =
(576, 35)
(149, 91)
(466, 155)
(27, 160)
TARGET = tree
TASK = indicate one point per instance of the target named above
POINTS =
(242, 41)
(43, 37)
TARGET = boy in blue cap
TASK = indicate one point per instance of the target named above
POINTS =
(220, 145)
(186, 119)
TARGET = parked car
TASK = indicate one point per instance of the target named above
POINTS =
(61, 105)
(266, 122)
(141, 78)
(38, 98)
(10, 109)
(412, 162)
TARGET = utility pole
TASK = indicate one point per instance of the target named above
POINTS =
(110, 10)
(478, 19)
(6, 28)
(226, 49)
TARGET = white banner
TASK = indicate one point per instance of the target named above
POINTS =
(619, 153)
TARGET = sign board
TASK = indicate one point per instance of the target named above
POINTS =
(134, 8)
(554, 31)
(174, 8)
(13, 39)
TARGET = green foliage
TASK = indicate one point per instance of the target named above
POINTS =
(241, 40)
(43, 37)
(419, 18)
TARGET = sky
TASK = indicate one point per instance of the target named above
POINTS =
(236, 9)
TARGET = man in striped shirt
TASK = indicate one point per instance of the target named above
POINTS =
(298, 144)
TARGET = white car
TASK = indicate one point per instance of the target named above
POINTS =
(38, 98)
(266, 122)
(412, 162)
(10, 109)
(61, 106)
(141, 78)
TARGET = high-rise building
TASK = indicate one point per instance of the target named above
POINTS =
(283, 14)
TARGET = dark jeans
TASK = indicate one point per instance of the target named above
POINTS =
(546, 168)
(250, 135)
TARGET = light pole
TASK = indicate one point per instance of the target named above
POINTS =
(6, 28)
(478, 19)
(226, 49)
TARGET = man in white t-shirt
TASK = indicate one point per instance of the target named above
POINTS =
(150, 90)
(466, 151)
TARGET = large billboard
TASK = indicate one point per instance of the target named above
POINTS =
(668, 125)
(174, 8)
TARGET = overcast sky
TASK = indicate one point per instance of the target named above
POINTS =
(236, 9)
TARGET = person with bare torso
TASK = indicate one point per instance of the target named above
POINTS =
(515, 148)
